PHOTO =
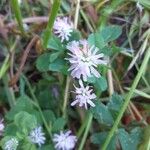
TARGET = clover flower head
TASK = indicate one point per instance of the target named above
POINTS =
(84, 96)
(64, 140)
(37, 136)
(11, 144)
(63, 28)
(1, 127)
(84, 59)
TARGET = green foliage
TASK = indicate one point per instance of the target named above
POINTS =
(50, 86)
(46, 147)
(58, 65)
(46, 100)
(102, 114)
(75, 36)
(110, 33)
(99, 83)
(51, 62)
(145, 141)
(106, 114)
(101, 38)
(49, 116)
(23, 104)
(25, 121)
(42, 62)
(54, 56)
(28, 146)
(58, 124)
(115, 103)
(128, 141)
(9, 131)
(55, 44)
(99, 139)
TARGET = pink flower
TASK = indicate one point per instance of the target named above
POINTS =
(64, 141)
(84, 59)
(84, 96)
(63, 28)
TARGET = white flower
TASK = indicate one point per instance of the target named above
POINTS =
(64, 141)
(84, 59)
(139, 7)
(63, 28)
(11, 144)
(37, 136)
(1, 126)
(83, 96)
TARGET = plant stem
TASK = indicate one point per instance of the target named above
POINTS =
(9, 91)
(16, 9)
(77, 14)
(37, 104)
(127, 99)
(148, 145)
(81, 130)
(110, 81)
(48, 31)
(86, 131)
(4, 66)
(6, 63)
(66, 95)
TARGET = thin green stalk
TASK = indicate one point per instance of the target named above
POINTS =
(81, 130)
(86, 20)
(37, 104)
(6, 63)
(148, 145)
(9, 91)
(90, 118)
(143, 77)
(66, 95)
(4, 66)
(127, 99)
(48, 31)
(17, 12)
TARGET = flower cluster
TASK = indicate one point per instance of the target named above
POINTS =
(83, 96)
(11, 144)
(63, 28)
(64, 141)
(37, 136)
(84, 59)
